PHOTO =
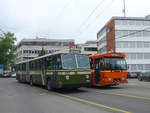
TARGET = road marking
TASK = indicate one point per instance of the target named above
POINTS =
(93, 103)
(147, 86)
(121, 94)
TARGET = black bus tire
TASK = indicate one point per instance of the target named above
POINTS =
(49, 85)
(140, 79)
(31, 81)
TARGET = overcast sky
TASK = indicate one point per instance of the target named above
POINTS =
(64, 19)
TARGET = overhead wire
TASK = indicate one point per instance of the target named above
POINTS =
(88, 25)
(100, 13)
(93, 11)
(112, 1)
(63, 9)
(59, 15)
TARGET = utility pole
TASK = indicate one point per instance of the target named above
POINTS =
(124, 8)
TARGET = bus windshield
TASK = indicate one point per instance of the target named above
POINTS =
(75, 61)
(115, 64)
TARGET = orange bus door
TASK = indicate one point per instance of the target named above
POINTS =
(97, 72)
(97, 77)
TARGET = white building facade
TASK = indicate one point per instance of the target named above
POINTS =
(89, 47)
(30, 48)
(130, 35)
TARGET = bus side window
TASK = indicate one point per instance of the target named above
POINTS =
(101, 64)
(97, 64)
(92, 63)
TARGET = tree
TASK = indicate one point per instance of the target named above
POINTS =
(7, 49)
(42, 52)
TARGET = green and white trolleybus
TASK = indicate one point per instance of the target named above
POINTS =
(57, 70)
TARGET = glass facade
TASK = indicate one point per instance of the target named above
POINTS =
(139, 67)
(133, 22)
(36, 43)
(101, 50)
(131, 33)
(132, 44)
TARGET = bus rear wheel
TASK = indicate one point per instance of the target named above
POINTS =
(49, 85)
(31, 81)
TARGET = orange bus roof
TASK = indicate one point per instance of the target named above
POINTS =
(110, 54)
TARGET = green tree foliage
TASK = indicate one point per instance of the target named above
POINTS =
(42, 52)
(7, 49)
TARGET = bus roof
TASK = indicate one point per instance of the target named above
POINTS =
(108, 55)
(65, 51)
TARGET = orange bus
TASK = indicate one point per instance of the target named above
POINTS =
(108, 69)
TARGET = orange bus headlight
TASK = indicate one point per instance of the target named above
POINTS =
(123, 78)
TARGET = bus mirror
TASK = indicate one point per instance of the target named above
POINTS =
(127, 67)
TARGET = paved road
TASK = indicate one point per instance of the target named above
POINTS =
(21, 98)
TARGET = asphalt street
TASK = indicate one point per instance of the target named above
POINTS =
(133, 97)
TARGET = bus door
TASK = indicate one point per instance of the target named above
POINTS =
(43, 70)
(97, 71)
(27, 72)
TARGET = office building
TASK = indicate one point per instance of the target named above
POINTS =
(130, 35)
(30, 48)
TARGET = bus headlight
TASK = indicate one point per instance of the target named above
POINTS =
(123, 78)
(87, 76)
(67, 77)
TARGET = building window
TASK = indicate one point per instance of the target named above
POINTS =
(133, 56)
(146, 44)
(140, 67)
(147, 67)
(125, 45)
(103, 31)
(139, 44)
(146, 55)
(118, 22)
(124, 22)
(90, 49)
(102, 50)
(36, 51)
(102, 40)
(139, 55)
(133, 67)
(132, 44)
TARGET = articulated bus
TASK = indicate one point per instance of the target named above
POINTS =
(58, 70)
(108, 69)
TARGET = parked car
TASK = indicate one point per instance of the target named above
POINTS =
(7, 73)
(132, 75)
(144, 76)
(13, 75)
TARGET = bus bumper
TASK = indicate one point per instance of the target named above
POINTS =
(70, 86)
(112, 82)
